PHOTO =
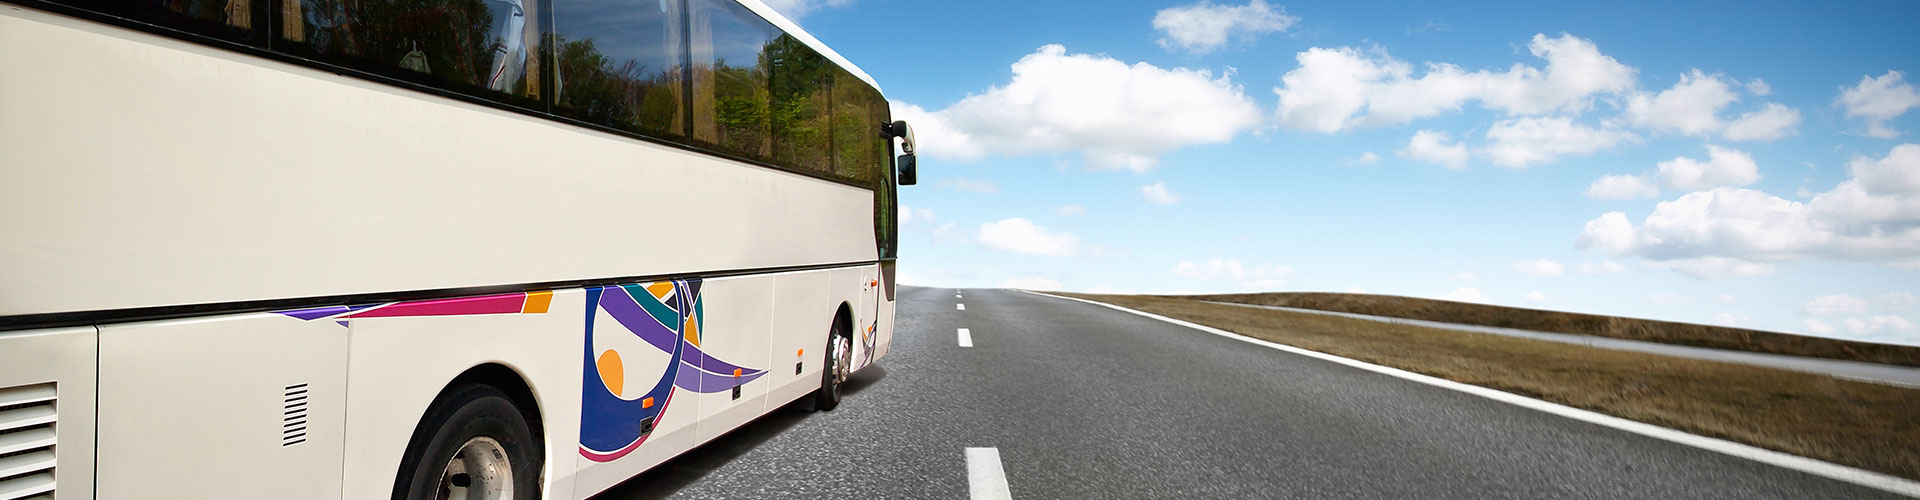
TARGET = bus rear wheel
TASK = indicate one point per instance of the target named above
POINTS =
(839, 366)
(473, 444)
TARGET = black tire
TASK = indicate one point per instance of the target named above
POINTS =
(460, 415)
(831, 380)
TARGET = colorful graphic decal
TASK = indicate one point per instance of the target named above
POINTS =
(511, 303)
(869, 339)
(667, 317)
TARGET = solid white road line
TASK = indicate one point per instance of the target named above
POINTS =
(985, 478)
(966, 338)
(1829, 470)
(960, 307)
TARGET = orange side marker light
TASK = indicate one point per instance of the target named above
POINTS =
(646, 403)
(736, 372)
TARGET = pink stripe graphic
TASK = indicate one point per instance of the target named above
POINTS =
(491, 304)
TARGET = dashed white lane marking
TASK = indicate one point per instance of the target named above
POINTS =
(985, 478)
(1829, 470)
(960, 307)
(966, 338)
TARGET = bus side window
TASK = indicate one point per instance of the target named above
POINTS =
(231, 20)
(621, 64)
(730, 69)
(476, 47)
(802, 105)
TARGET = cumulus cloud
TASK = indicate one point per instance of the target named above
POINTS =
(1759, 87)
(1723, 168)
(1540, 267)
(1118, 116)
(1878, 100)
(1471, 295)
(1771, 122)
(1818, 327)
(1070, 210)
(1728, 319)
(1898, 301)
(1260, 276)
(1204, 27)
(794, 9)
(1836, 304)
(1878, 326)
(910, 216)
(1336, 89)
(1436, 148)
(1691, 107)
(1019, 235)
(1523, 142)
(1030, 284)
(1622, 187)
(1158, 194)
(1607, 267)
(1365, 158)
(1872, 217)
(1713, 268)
(969, 185)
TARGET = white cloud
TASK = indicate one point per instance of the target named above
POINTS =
(1608, 267)
(1365, 158)
(1818, 327)
(1836, 304)
(794, 9)
(1341, 88)
(1465, 276)
(1157, 194)
(970, 185)
(1622, 187)
(1879, 100)
(1019, 235)
(1771, 122)
(1030, 284)
(1898, 301)
(1872, 217)
(1433, 147)
(1759, 87)
(1669, 298)
(1723, 168)
(1355, 289)
(1728, 319)
(1070, 210)
(1713, 268)
(1471, 295)
(1261, 276)
(915, 216)
(1540, 267)
(1204, 27)
(1691, 107)
(1536, 296)
(1116, 115)
(1523, 142)
(1879, 325)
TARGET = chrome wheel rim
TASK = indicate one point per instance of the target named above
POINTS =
(843, 360)
(479, 471)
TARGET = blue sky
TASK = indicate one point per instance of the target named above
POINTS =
(1765, 163)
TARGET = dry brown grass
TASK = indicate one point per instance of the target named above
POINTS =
(1665, 332)
(1870, 426)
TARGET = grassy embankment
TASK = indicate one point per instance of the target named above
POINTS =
(1870, 426)
(1665, 332)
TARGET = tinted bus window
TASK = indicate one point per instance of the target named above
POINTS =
(854, 130)
(475, 47)
(802, 106)
(233, 20)
(730, 71)
(621, 63)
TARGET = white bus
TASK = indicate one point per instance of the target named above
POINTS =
(419, 249)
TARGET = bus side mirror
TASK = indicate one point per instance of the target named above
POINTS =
(909, 175)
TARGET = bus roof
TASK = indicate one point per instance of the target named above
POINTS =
(794, 29)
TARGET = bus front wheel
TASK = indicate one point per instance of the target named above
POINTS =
(473, 444)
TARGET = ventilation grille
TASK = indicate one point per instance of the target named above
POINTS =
(293, 425)
(27, 417)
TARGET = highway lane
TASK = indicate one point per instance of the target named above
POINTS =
(1081, 401)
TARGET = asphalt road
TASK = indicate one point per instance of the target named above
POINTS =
(1083, 401)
